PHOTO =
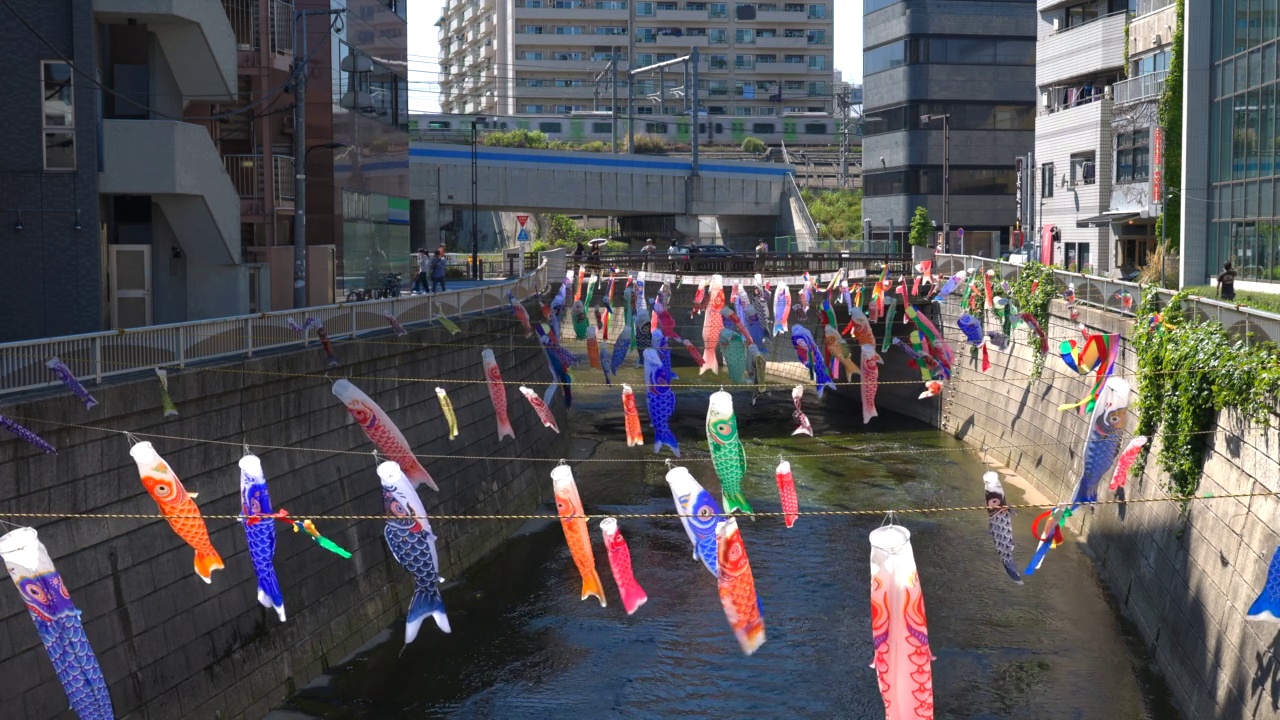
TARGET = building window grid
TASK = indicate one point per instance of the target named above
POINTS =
(57, 112)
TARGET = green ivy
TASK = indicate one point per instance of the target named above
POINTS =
(1187, 373)
(1032, 292)
(1169, 117)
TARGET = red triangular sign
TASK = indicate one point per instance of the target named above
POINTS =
(522, 219)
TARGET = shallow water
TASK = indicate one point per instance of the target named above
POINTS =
(524, 646)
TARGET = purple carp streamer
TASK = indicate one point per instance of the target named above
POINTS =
(64, 375)
(25, 434)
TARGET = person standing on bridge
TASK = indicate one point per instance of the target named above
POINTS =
(420, 278)
(438, 270)
(649, 251)
(762, 254)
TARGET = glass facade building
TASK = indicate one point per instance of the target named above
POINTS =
(973, 62)
(1244, 141)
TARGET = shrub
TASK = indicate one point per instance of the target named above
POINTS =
(517, 139)
(753, 145)
(650, 145)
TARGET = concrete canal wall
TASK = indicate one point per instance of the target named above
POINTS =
(1186, 581)
(174, 647)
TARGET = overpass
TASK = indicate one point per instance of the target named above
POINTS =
(751, 198)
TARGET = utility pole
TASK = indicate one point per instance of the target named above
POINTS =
(613, 83)
(694, 117)
(631, 66)
(946, 174)
(300, 153)
(843, 102)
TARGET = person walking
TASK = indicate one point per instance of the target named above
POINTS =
(1227, 282)
(424, 269)
(438, 271)
(762, 253)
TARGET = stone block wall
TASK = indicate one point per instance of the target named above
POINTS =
(1186, 580)
(174, 647)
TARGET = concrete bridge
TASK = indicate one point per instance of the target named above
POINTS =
(744, 198)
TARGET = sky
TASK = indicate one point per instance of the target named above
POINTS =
(423, 49)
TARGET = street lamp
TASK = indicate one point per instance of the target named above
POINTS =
(946, 174)
(323, 146)
(475, 232)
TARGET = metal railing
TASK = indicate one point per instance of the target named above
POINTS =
(245, 15)
(94, 357)
(1150, 6)
(1241, 323)
(746, 264)
(806, 229)
(248, 176)
(1143, 87)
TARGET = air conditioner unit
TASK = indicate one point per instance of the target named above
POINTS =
(1044, 100)
(1156, 40)
(1057, 24)
(1106, 91)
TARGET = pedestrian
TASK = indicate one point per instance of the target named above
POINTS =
(420, 278)
(762, 254)
(1227, 282)
(579, 252)
(438, 270)
(648, 251)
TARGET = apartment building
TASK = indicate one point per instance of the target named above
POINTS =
(938, 69)
(151, 180)
(516, 57)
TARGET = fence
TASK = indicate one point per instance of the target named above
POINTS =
(744, 264)
(1137, 89)
(1241, 323)
(95, 356)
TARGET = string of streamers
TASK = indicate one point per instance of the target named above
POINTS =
(656, 515)
(870, 452)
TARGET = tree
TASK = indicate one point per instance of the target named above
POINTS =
(921, 228)
(753, 145)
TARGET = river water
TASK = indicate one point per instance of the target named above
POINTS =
(524, 646)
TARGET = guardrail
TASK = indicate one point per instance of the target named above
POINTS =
(746, 263)
(1137, 89)
(1242, 323)
(94, 357)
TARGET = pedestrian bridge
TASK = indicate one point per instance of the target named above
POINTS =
(600, 184)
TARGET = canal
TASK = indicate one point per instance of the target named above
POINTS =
(524, 646)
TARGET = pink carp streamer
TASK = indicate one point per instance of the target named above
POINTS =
(899, 627)
(802, 421)
(497, 394)
(544, 412)
(384, 434)
(870, 382)
(633, 596)
(1125, 462)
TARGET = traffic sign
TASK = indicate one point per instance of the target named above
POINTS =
(522, 236)
(960, 232)
(522, 219)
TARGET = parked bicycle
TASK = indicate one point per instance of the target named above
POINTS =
(391, 286)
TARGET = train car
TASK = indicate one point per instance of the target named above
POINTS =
(794, 129)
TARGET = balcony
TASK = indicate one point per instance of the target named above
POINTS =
(245, 23)
(1139, 89)
(781, 43)
(682, 15)
(248, 175)
(176, 164)
(196, 37)
(1082, 51)
(554, 40)
(682, 41)
(566, 14)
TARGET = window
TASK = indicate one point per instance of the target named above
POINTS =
(793, 33)
(766, 59)
(952, 51)
(1133, 156)
(567, 56)
(719, 9)
(695, 32)
(817, 37)
(744, 36)
(568, 30)
(646, 35)
(719, 62)
(550, 127)
(611, 5)
(718, 36)
(696, 6)
(763, 128)
(644, 59)
(531, 30)
(817, 62)
(718, 88)
(534, 109)
(817, 88)
(767, 110)
(745, 89)
(793, 59)
(655, 128)
(1076, 256)
(1046, 180)
(533, 82)
(815, 128)
(1082, 168)
(644, 109)
(742, 111)
(766, 33)
(743, 62)
(928, 181)
(793, 85)
(601, 128)
(611, 30)
(533, 55)
(964, 116)
(568, 83)
(817, 11)
(58, 116)
(645, 9)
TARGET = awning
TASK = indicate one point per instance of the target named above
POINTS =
(1106, 219)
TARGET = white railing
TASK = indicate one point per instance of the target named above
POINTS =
(1143, 87)
(1150, 6)
(247, 175)
(806, 229)
(94, 357)
(244, 16)
(1242, 323)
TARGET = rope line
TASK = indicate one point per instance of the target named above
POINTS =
(653, 515)
(702, 455)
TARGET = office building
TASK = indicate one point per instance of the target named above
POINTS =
(973, 63)
(1230, 176)
(517, 57)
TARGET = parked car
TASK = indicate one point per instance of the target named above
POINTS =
(718, 258)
